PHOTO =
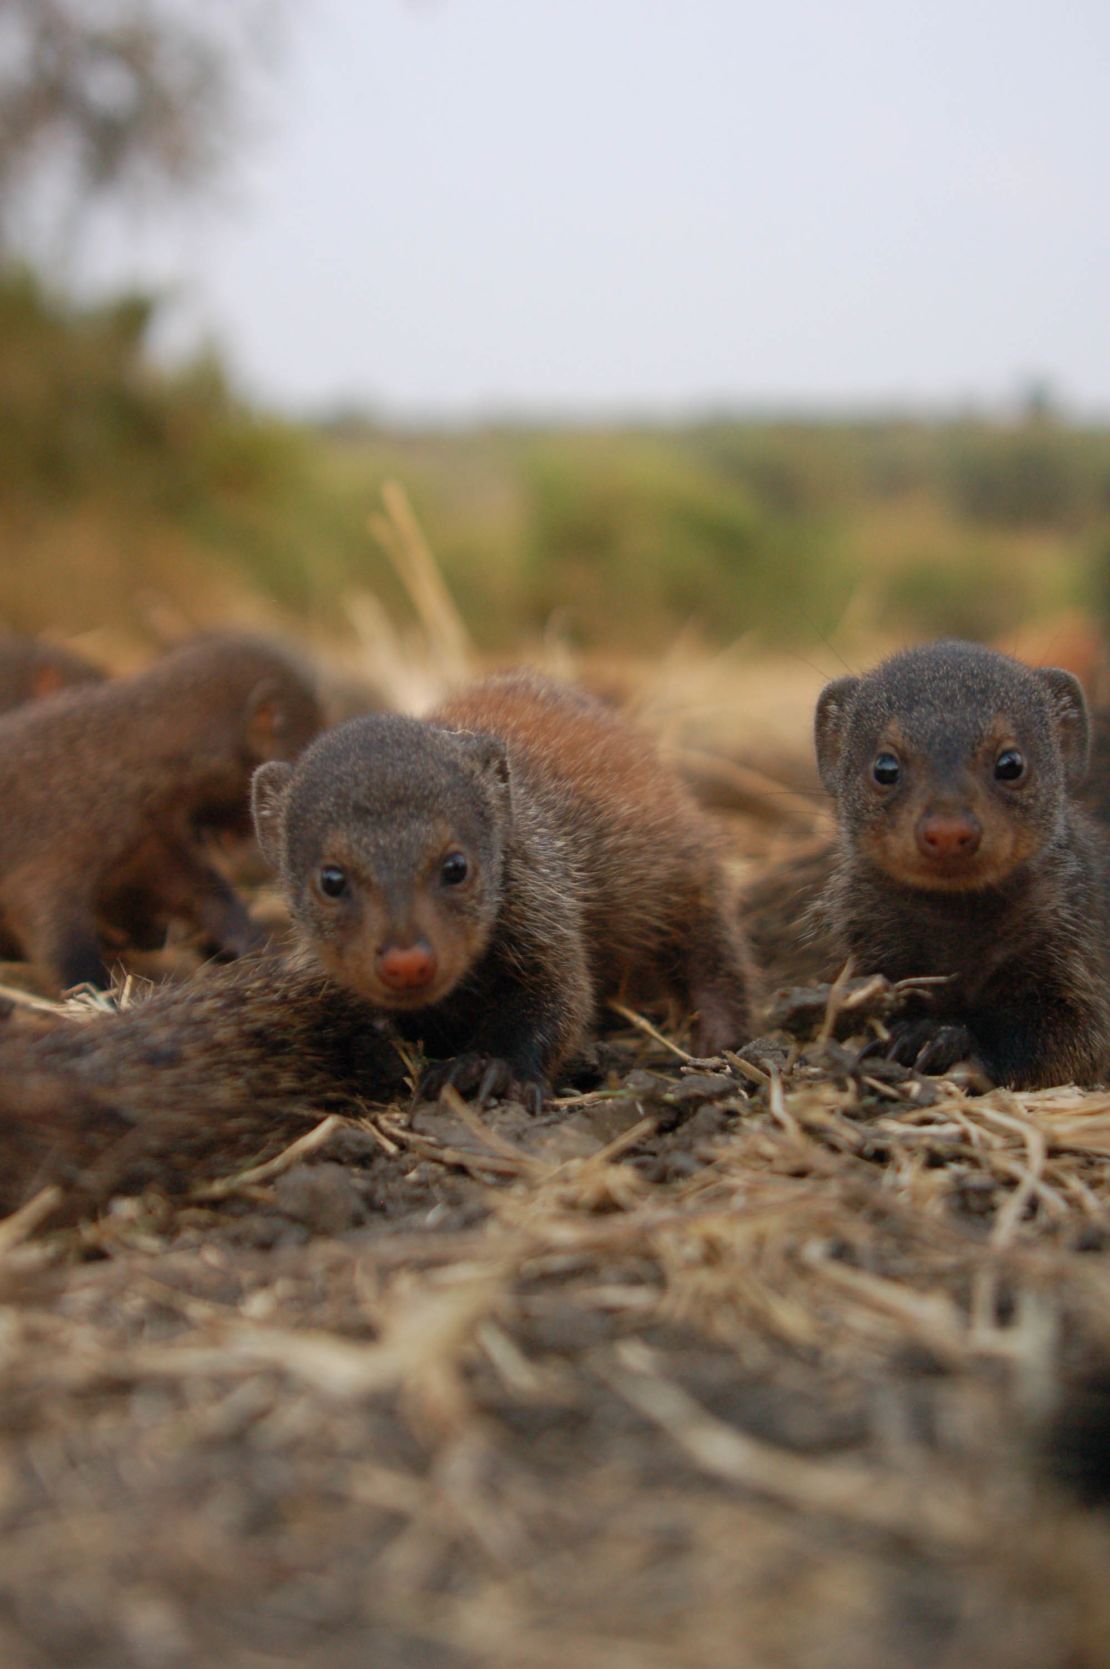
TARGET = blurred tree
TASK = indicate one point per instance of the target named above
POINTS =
(110, 100)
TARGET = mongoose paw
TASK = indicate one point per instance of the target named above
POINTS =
(928, 1046)
(724, 1020)
(483, 1078)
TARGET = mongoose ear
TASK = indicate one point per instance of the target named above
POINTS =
(267, 720)
(488, 754)
(269, 792)
(832, 705)
(1069, 712)
(47, 680)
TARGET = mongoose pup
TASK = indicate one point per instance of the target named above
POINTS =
(31, 669)
(963, 853)
(492, 873)
(103, 789)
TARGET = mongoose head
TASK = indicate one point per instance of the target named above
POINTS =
(951, 764)
(253, 702)
(31, 668)
(389, 837)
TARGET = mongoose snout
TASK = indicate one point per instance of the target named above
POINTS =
(406, 968)
(948, 836)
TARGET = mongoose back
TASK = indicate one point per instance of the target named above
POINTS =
(31, 668)
(103, 789)
(492, 873)
(964, 854)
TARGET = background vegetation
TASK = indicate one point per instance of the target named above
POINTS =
(128, 487)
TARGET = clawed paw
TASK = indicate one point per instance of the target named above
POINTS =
(482, 1078)
(927, 1046)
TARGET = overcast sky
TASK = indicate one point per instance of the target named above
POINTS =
(460, 205)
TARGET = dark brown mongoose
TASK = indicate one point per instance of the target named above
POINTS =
(203, 1073)
(493, 873)
(103, 790)
(964, 853)
(31, 669)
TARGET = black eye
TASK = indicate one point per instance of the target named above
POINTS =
(333, 880)
(886, 770)
(1009, 766)
(454, 869)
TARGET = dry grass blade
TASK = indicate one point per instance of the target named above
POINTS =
(16, 1227)
(490, 1139)
(254, 1175)
(644, 1025)
(837, 1488)
(399, 533)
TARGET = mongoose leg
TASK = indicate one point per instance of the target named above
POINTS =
(720, 980)
(55, 927)
(215, 906)
(519, 1024)
(71, 949)
(168, 878)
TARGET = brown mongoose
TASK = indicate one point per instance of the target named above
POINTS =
(203, 1073)
(31, 669)
(103, 789)
(492, 873)
(963, 853)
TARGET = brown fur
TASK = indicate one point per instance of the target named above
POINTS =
(104, 788)
(591, 873)
(200, 1074)
(791, 942)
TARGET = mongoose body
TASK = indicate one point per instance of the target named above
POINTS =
(206, 1072)
(102, 790)
(492, 873)
(31, 668)
(964, 855)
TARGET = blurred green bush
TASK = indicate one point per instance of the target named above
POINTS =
(124, 481)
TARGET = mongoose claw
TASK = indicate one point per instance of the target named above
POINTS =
(926, 1045)
(950, 1046)
(485, 1078)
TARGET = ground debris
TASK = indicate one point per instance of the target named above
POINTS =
(769, 1359)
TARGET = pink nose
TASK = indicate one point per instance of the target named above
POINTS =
(407, 967)
(948, 835)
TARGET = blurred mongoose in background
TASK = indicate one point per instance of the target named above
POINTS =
(963, 853)
(31, 669)
(493, 873)
(103, 790)
(199, 1074)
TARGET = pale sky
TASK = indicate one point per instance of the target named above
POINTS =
(655, 205)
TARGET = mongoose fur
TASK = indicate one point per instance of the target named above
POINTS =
(199, 1074)
(493, 873)
(105, 787)
(964, 853)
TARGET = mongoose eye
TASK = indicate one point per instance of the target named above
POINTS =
(886, 770)
(1009, 766)
(454, 869)
(333, 880)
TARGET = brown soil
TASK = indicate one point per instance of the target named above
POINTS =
(764, 1362)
